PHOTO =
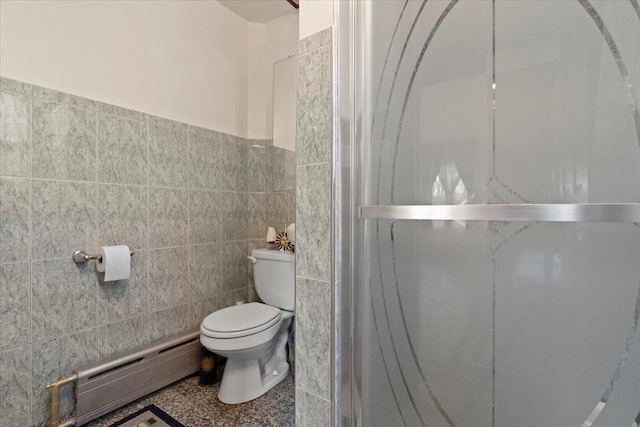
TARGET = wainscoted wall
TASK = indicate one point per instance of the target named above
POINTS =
(314, 253)
(79, 174)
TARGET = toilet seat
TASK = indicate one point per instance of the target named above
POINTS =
(240, 320)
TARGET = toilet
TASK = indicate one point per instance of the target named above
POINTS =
(253, 337)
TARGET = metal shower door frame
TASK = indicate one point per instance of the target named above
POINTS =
(352, 145)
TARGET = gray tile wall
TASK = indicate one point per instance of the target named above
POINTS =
(271, 185)
(80, 174)
(314, 231)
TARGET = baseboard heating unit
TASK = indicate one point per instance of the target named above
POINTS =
(103, 388)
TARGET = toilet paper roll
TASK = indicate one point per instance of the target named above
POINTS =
(115, 263)
(291, 232)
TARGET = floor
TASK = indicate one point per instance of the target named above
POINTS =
(198, 406)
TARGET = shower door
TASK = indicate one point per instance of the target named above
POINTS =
(499, 249)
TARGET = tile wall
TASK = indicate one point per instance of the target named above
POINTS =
(314, 231)
(80, 174)
(272, 196)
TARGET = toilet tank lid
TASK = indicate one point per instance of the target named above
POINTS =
(273, 255)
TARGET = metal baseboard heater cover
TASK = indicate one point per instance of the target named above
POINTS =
(103, 388)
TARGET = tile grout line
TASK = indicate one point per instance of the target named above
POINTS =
(315, 280)
(312, 164)
(14, 347)
(313, 394)
(15, 92)
(189, 240)
(312, 36)
(121, 117)
(145, 250)
(30, 256)
(66, 104)
(147, 288)
(97, 233)
(312, 51)
(65, 335)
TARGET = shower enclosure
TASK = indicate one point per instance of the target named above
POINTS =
(491, 193)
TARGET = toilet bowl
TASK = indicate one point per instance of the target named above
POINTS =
(253, 337)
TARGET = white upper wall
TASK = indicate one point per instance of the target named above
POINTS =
(268, 44)
(191, 61)
(256, 114)
(184, 60)
(315, 15)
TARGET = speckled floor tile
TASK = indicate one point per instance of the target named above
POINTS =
(197, 406)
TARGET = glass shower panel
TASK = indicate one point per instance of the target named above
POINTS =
(502, 102)
(565, 306)
(566, 125)
(498, 323)
(532, 329)
(431, 299)
(431, 102)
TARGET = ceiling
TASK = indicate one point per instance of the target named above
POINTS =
(258, 10)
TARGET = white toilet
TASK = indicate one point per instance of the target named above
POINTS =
(253, 336)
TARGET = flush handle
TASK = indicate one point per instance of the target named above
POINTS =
(252, 259)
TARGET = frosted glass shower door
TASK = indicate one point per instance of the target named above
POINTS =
(500, 274)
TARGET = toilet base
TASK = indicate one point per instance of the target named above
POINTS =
(242, 380)
(250, 373)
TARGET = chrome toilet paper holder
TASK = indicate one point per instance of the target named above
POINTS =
(82, 256)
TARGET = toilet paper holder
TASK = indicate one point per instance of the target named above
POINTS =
(81, 256)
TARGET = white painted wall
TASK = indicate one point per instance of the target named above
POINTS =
(268, 44)
(257, 82)
(315, 15)
(184, 60)
(191, 61)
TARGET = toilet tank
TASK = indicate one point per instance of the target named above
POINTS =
(274, 274)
